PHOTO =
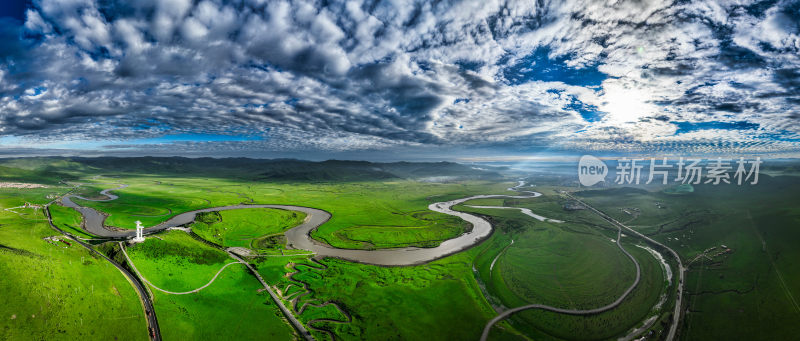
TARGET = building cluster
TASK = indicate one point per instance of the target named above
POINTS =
(57, 241)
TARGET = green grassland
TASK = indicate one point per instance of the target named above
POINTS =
(436, 301)
(69, 220)
(389, 297)
(232, 307)
(53, 291)
(177, 262)
(41, 176)
(383, 302)
(400, 206)
(432, 229)
(569, 265)
(747, 293)
(151, 208)
(254, 228)
(352, 204)
(617, 322)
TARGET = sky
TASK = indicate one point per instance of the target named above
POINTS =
(399, 79)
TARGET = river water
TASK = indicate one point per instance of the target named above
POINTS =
(299, 237)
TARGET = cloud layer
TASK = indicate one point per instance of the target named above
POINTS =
(706, 77)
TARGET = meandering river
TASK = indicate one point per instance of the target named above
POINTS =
(299, 237)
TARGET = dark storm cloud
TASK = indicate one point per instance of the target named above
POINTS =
(337, 75)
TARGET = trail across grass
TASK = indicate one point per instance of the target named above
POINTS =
(122, 247)
(737, 294)
(436, 301)
(230, 306)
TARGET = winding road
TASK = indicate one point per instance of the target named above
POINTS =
(147, 302)
(612, 305)
(676, 315)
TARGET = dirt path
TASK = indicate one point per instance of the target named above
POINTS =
(491, 266)
(299, 237)
(122, 247)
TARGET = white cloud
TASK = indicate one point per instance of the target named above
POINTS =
(401, 73)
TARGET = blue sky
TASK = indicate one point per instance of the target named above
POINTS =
(403, 80)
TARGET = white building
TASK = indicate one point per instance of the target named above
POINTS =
(139, 232)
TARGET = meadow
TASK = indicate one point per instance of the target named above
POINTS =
(55, 291)
(232, 307)
(748, 292)
(377, 299)
(399, 206)
(253, 228)
(69, 220)
(182, 263)
(435, 301)
(573, 265)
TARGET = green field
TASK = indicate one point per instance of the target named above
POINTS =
(68, 220)
(746, 293)
(400, 207)
(739, 244)
(436, 301)
(572, 265)
(255, 228)
(51, 290)
(232, 307)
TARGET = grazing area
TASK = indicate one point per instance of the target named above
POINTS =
(255, 228)
(740, 246)
(177, 262)
(399, 170)
(400, 207)
(68, 220)
(232, 307)
(227, 308)
(53, 288)
(546, 246)
(573, 264)
(436, 301)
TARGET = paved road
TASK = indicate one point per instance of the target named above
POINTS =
(147, 303)
(676, 316)
(612, 305)
(300, 238)
(286, 312)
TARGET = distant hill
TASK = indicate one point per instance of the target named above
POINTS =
(44, 175)
(240, 168)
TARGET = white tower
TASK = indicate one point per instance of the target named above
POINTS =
(139, 232)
